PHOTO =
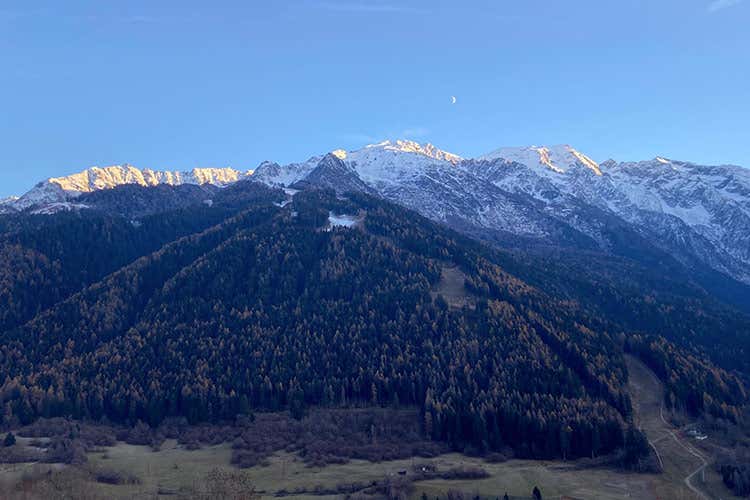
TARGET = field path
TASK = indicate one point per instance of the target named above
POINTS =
(678, 458)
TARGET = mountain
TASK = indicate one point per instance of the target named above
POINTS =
(251, 303)
(556, 195)
(698, 213)
(376, 164)
(332, 173)
(62, 190)
(134, 201)
(690, 218)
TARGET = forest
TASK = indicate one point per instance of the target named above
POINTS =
(209, 312)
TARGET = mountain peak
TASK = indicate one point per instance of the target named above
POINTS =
(559, 159)
(333, 158)
(407, 146)
(332, 172)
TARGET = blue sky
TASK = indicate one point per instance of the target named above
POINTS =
(180, 84)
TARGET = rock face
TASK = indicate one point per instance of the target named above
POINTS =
(699, 215)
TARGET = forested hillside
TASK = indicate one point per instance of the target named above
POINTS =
(249, 304)
(46, 258)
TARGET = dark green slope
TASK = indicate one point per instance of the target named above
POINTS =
(46, 258)
(273, 309)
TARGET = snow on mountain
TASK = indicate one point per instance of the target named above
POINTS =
(712, 201)
(556, 194)
(53, 208)
(558, 159)
(688, 210)
(377, 164)
(63, 189)
(6, 204)
(393, 162)
(277, 175)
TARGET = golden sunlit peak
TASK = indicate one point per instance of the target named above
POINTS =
(339, 153)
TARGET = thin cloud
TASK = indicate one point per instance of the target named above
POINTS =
(141, 20)
(86, 17)
(718, 5)
(18, 14)
(365, 8)
(415, 133)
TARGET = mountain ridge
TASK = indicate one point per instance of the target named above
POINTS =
(268, 307)
(696, 213)
(64, 189)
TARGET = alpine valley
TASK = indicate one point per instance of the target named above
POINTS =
(495, 304)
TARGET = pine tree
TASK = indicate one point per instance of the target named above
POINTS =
(536, 493)
(9, 440)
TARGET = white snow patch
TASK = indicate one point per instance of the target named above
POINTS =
(53, 208)
(341, 220)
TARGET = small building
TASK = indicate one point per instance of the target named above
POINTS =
(696, 434)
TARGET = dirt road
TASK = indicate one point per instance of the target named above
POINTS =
(680, 460)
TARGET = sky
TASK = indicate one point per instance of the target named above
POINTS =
(184, 84)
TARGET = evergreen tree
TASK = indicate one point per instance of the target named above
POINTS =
(9, 440)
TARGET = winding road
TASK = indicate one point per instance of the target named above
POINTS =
(690, 449)
(648, 401)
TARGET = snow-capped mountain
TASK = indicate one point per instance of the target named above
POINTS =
(377, 164)
(706, 209)
(6, 204)
(699, 215)
(61, 190)
(690, 211)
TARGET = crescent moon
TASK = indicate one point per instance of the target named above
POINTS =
(453, 99)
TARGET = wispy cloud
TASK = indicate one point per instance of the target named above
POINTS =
(140, 19)
(414, 133)
(86, 17)
(17, 14)
(365, 7)
(718, 5)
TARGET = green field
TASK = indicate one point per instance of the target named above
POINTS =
(176, 472)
